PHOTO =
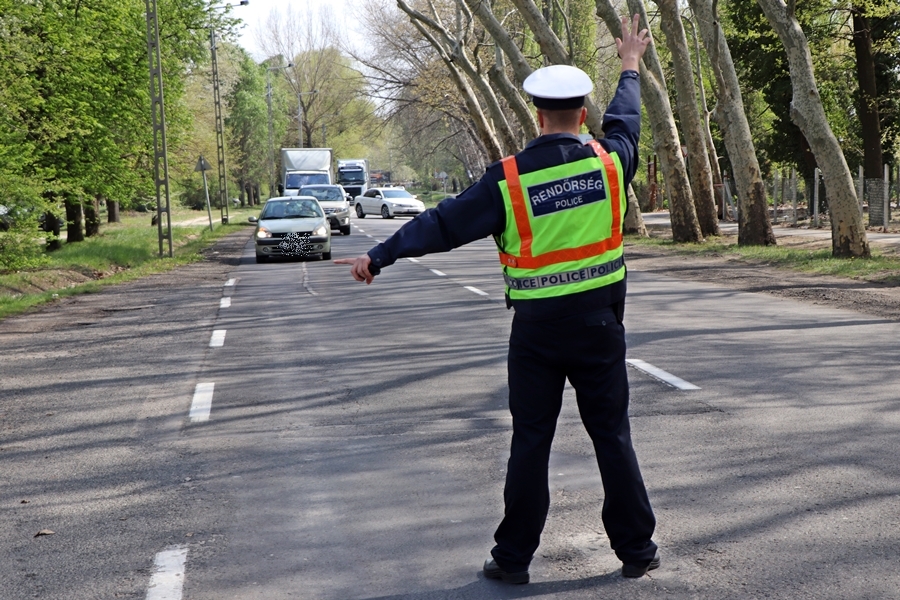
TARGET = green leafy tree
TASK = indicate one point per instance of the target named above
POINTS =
(247, 125)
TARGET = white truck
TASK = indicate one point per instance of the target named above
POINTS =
(353, 175)
(305, 166)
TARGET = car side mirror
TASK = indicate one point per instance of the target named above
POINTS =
(253, 219)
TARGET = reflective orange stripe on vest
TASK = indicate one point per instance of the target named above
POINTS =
(520, 212)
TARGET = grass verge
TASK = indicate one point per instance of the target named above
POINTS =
(794, 253)
(122, 252)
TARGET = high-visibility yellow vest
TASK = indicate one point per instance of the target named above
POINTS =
(563, 227)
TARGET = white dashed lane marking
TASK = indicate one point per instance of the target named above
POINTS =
(661, 375)
(225, 302)
(476, 290)
(412, 260)
(230, 282)
(167, 582)
(218, 338)
(438, 273)
(202, 403)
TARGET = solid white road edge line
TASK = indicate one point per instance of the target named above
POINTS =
(230, 282)
(218, 338)
(663, 376)
(167, 582)
(202, 402)
(438, 273)
(225, 302)
(476, 290)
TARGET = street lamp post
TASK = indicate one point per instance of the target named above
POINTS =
(300, 112)
(271, 128)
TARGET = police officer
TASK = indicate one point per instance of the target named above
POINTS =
(555, 211)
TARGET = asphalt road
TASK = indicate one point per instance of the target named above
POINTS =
(355, 441)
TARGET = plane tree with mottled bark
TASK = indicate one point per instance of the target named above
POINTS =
(754, 227)
(848, 236)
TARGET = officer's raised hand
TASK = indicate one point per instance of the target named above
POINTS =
(360, 268)
(633, 43)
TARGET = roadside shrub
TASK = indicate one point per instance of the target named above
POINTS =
(194, 197)
(22, 247)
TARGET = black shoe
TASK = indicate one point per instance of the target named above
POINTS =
(492, 571)
(640, 569)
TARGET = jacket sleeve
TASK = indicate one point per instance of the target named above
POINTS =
(475, 213)
(622, 123)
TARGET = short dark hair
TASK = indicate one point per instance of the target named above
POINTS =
(558, 103)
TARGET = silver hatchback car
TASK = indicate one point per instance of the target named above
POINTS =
(292, 226)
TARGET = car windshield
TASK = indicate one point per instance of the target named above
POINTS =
(323, 194)
(297, 180)
(351, 176)
(292, 209)
(397, 194)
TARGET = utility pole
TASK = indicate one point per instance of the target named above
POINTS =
(220, 130)
(157, 107)
(220, 125)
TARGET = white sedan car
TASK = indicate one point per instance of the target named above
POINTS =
(388, 202)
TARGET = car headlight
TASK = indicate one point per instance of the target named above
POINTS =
(262, 232)
(320, 231)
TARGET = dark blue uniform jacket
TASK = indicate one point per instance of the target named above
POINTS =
(478, 211)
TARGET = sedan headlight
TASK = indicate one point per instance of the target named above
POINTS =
(262, 232)
(320, 231)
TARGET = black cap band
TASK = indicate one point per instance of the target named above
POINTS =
(558, 103)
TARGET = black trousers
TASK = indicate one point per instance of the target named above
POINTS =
(589, 350)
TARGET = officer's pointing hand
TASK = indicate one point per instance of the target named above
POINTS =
(633, 43)
(359, 268)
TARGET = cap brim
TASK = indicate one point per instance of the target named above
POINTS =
(558, 103)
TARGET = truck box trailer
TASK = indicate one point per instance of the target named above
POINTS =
(305, 166)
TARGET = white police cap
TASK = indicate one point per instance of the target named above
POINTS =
(558, 87)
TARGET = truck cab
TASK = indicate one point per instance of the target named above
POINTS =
(353, 175)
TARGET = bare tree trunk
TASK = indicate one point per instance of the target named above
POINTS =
(848, 237)
(666, 145)
(74, 232)
(505, 88)
(484, 130)
(92, 217)
(634, 222)
(698, 159)
(455, 46)
(754, 228)
(484, 14)
(51, 225)
(556, 53)
(112, 211)
(718, 184)
(868, 95)
(505, 45)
